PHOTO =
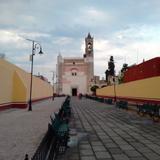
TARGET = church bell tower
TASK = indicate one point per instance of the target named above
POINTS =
(89, 59)
(89, 46)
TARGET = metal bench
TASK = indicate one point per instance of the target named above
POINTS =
(108, 101)
(57, 135)
(122, 104)
(61, 130)
(150, 109)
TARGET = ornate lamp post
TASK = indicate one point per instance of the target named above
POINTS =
(115, 96)
(53, 85)
(35, 46)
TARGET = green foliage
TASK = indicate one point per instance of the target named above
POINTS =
(93, 88)
(111, 66)
(103, 86)
(124, 68)
(120, 78)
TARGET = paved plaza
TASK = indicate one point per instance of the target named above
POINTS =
(98, 132)
(102, 132)
(21, 131)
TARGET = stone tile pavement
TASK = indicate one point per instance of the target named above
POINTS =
(22, 131)
(103, 132)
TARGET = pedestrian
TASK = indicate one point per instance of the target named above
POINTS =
(26, 157)
(80, 96)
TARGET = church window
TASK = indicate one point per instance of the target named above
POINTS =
(74, 71)
(74, 74)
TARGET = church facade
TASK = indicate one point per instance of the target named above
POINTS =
(75, 74)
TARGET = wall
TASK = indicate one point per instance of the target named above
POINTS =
(41, 89)
(147, 69)
(70, 80)
(6, 76)
(19, 90)
(146, 90)
(15, 86)
(79, 81)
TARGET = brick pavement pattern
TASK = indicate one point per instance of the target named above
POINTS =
(107, 133)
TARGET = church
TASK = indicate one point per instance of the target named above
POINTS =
(75, 75)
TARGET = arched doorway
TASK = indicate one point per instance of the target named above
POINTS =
(74, 91)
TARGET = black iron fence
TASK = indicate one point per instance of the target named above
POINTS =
(57, 135)
(47, 149)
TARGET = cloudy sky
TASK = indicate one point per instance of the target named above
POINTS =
(127, 29)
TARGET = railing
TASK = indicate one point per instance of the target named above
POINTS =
(47, 148)
(53, 142)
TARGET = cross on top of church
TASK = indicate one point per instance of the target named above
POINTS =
(89, 35)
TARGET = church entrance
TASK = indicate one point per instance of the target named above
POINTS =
(74, 91)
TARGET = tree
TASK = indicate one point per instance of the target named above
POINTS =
(93, 89)
(110, 71)
(124, 68)
(111, 66)
(107, 74)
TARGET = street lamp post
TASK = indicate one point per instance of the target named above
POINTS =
(35, 45)
(53, 85)
(115, 97)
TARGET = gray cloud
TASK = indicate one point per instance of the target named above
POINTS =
(119, 27)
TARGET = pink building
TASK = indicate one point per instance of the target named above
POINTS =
(74, 74)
